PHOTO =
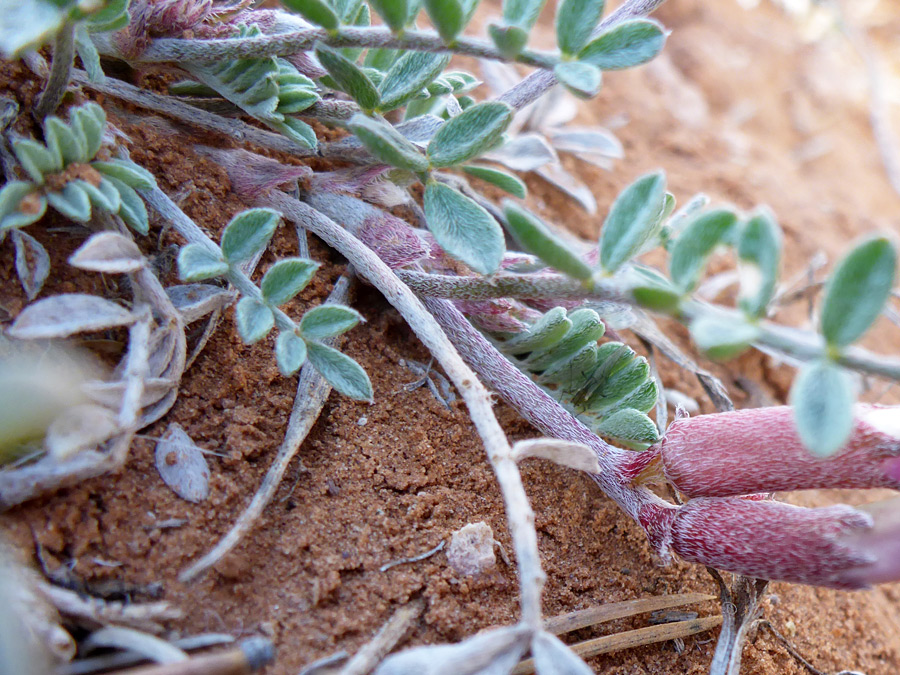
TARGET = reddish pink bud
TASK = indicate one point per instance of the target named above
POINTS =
(834, 546)
(758, 450)
(253, 175)
(392, 239)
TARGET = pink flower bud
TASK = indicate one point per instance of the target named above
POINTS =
(834, 546)
(758, 450)
(253, 175)
(392, 239)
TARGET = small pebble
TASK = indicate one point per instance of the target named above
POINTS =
(471, 550)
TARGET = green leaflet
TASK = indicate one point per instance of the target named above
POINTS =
(522, 13)
(581, 79)
(723, 338)
(254, 320)
(633, 219)
(248, 233)
(696, 243)
(387, 144)
(286, 278)
(326, 321)
(317, 11)
(340, 371)
(538, 240)
(349, 77)
(197, 262)
(547, 331)
(629, 44)
(290, 353)
(469, 134)
(628, 426)
(409, 74)
(463, 228)
(759, 255)
(501, 179)
(575, 20)
(394, 12)
(822, 397)
(857, 290)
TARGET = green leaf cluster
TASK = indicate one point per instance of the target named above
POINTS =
(607, 386)
(246, 236)
(268, 89)
(64, 173)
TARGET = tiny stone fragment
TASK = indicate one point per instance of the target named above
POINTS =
(182, 466)
(471, 550)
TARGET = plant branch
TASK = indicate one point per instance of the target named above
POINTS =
(285, 44)
(60, 72)
(519, 514)
(802, 345)
(312, 392)
(537, 84)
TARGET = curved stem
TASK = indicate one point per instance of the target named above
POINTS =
(284, 44)
(60, 72)
(519, 514)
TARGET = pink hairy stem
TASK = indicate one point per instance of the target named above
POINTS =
(754, 450)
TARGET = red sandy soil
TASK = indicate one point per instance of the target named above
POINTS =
(732, 108)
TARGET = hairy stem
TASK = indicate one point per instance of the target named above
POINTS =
(368, 265)
(284, 44)
(803, 345)
(60, 72)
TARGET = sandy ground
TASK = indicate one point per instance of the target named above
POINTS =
(738, 107)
